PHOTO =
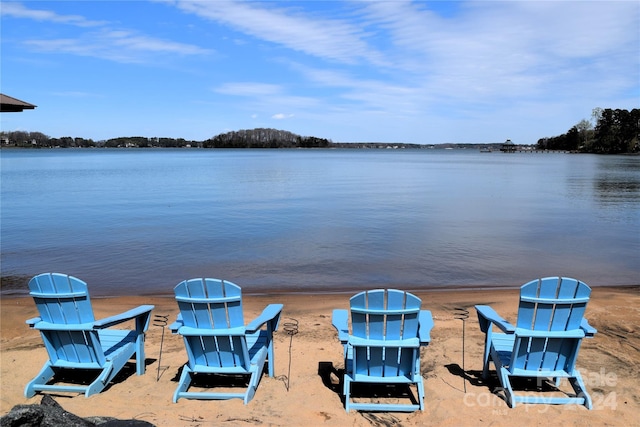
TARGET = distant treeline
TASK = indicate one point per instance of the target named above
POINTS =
(254, 138)
(40, 140)
(616, 132)
(264, 138)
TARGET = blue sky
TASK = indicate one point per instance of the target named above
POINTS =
(378, 71)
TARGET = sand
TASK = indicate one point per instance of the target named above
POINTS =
(310, 395)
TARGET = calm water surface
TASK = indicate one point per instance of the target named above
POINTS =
(140, 221)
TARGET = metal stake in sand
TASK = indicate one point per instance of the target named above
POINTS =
(291, 329)
(160, 321)
(462, 313)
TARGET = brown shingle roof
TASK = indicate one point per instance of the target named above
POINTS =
(9, 104)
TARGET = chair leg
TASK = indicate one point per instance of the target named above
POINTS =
(183, 385)
(580, 389)
(256, 376)
(253, 386)
(485, 369)
(347, 393)
(140, 357)
(503, 375)
(487, 354)
(100, 382)
(44, 376)
(420, 384)
(270, 359)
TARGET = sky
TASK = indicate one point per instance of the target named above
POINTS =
(425, 72)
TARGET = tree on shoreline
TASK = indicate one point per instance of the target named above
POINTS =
(264, 138)
(616, 132)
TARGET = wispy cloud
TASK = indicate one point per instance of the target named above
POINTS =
(17, 10)
(281, 116)
(332, 39)
(104, 41)
(248, 89)
(507, 48)
(120, 46)
(262, 99)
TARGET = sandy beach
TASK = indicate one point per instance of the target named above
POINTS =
(310, 395)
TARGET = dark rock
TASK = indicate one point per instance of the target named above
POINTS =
(42, 416)
(50, 414)
(23, 416)
(55, 415)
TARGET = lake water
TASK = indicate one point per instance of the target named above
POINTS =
(139, 221)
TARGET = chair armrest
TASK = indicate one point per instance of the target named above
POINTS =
(589, 331)
(340, 321)
(31, 322)
(425, 325)
(123, 317)
(271, 313)
(488, 316)
(175, 326)
(46, 326)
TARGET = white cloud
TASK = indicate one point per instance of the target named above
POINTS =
(252, 89)
(120, 45)
(508, 49)
(281, 116)
(117, 45)
(332, 39)
(17, 10)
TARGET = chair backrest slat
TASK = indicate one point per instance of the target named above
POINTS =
(358, 317)
(376, 319)
(395, 322)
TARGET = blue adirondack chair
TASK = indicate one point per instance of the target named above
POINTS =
(388, 330)
(75, 340)
(545, 341)
(217, 341)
